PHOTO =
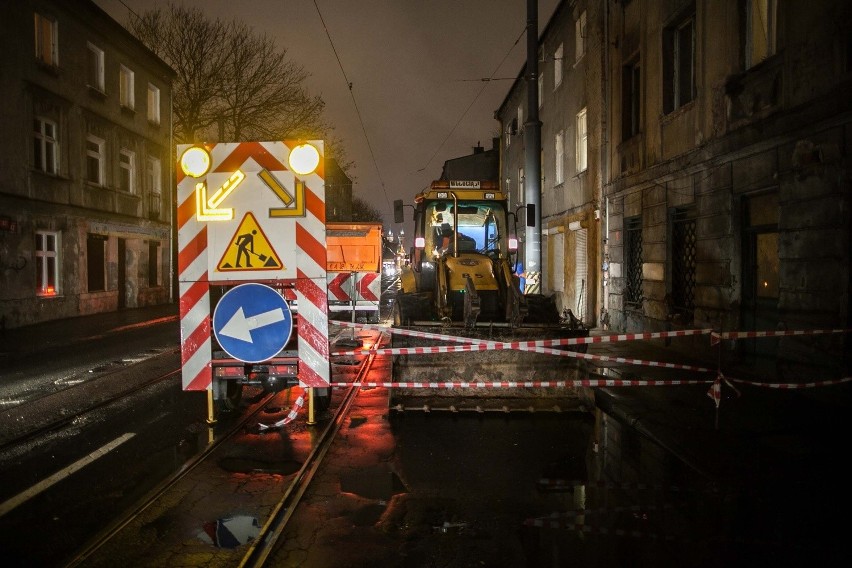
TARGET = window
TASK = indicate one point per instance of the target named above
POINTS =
(508, 134)
(45, 148)
(580, 36)
(153, 264)
(96, 68)
(153, 104)
(95, 262)
(683, 252)
(559, 174)
(582, 142)
(557, 66)
(520, 118)
(94, 160)
(47, 263)
(633, 262)
(125, 88)
(760, 30)
(46, 40)
(630, 100)
(679, 64)
(540, 90)
(127, 170)
(154, 175)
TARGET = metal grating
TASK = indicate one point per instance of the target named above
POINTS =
(633, 261)
(683, 263)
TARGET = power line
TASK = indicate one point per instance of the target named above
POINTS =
(355, 104)
(485, 82)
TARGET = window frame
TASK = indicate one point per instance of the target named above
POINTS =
(99, 156)
(154, 173)
(127, 170)
(580, 31)
(91, 275)
(44, 141)
(126, 87)
(559, 158)
(540, 90)
(46, 39)
(47, 263)
(153, 106)
(631, 99)
(767, 25)
(557, 66)
(96, 75)
(582, 151)
(675, 61)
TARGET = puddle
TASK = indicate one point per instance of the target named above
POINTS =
(248, 465)
(373, 483)
(230, 532)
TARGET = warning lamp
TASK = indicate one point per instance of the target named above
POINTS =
(419, 242)
(513, 243)
(304, 159)
(195, 162)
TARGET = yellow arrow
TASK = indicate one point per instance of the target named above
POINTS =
(206, 208)
(292, 210)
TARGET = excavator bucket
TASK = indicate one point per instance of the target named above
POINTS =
(484, 369)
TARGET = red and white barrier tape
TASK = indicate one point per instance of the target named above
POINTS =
(516, 384)
(294, 412)
(715, 337)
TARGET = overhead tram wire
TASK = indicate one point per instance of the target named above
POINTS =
(355, 104)
(485, 81)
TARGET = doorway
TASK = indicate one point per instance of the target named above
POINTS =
(761, 273)
(122, 274)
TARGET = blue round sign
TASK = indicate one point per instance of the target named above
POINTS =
(252, 322)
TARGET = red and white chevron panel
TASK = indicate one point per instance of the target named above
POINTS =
(312, 293)
(194, 287)
(285, 212)
(368, 286)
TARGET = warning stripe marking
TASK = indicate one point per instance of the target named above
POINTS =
(292, 415)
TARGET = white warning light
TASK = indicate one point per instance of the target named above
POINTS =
(304, 159)
(195, 162)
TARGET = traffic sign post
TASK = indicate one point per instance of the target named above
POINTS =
(252, 322)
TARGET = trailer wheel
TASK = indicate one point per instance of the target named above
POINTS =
(322, 398)
(228, 394)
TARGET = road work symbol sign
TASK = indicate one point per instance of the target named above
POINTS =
(252, 322)
(249, 249)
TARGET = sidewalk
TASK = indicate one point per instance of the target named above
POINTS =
(25, 341)
(757, 432)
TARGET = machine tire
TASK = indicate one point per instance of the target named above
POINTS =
(541, 309)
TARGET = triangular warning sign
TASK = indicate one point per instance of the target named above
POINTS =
(249, 249)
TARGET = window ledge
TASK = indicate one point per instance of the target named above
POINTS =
(48, 68)
(128, 110)
(97, 93)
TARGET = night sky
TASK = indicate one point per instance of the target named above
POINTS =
(415, 66)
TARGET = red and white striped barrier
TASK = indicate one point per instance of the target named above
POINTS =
(715, 337)
(294, 412)
(516, 384)
(248, 191)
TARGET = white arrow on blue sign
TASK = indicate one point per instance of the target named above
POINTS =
(252, 322)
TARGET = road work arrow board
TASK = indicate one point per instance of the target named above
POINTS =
(252, 322)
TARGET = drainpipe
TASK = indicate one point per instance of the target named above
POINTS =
(604, 172)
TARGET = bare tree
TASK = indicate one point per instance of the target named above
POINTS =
(364, 212)
(231, 84)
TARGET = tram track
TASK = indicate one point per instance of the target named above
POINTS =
(263, 544)
(57, 410)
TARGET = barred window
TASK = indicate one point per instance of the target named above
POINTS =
(683, 250)
(633, 261)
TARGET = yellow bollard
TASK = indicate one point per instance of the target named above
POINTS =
(311, 419)
(211, 415)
